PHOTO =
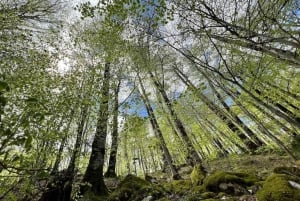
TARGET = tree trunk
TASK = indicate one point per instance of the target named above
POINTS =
(219, 112)
(94, 172)
(233, 115)
(60, 188)
(274, 110)
(266, 131)
(157, 131)
(193, 156)
(111, 170)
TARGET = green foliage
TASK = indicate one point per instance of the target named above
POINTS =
(197, 175)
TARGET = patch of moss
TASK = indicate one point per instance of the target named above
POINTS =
(298, 163)
(193, 197)
(197, 175)
(134, 189)
(207, 195)
(178, 187)
(213, 181)
(277, 188)
(90, 196)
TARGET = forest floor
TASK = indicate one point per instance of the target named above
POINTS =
(268, 177)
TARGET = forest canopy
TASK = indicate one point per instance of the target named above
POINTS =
(102, 89)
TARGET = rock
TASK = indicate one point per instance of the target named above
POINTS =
(253, 189)
(277, 188)
(232, 189)
(133, 188)
(229, 181)
(207, 195)
(149, 198)
(248, 198)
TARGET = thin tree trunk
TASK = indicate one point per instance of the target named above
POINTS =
(126, 157)
(269, 115)
(266, 131)
(157, 131)
(234, 116)
(280, 106)
(62, 144)
(274, 110)
(61, 187)
(193, 156)
(218, 111)
(218, 144)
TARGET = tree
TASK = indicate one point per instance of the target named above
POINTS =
(111, 170)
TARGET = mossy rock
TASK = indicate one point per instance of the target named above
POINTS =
(197, 175)
(277, 188)
(213, 181)
(207, 195)
(178, 187)
(134, 189)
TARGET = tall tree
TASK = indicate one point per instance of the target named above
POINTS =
(166, 154)
(94, 171)
(111, 170)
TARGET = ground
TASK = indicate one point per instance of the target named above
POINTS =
(268, 177)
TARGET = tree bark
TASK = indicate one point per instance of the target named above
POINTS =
(111, 170)
(94, 172)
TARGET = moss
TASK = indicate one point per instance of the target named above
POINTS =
(197, 175)
(207, 195)
(90, 196)
(213, 181)
(134, 189)
(179, 187)
(193, 197)
(298, 163)
(277, 188)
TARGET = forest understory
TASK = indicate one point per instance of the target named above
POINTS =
(267, 177)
